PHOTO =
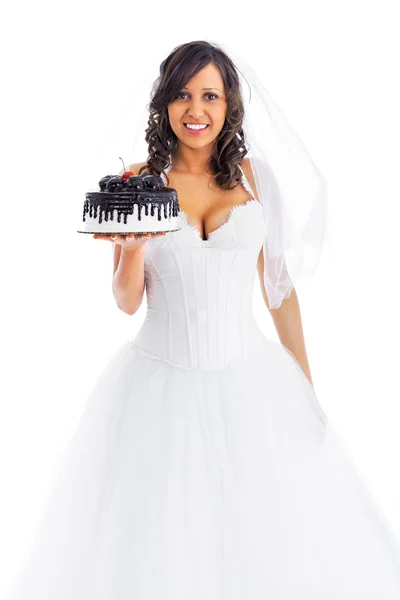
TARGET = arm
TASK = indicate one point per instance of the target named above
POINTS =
(128, 282)
(287, 321)
(287, 318)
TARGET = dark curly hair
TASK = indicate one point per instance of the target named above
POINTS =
(183, 63)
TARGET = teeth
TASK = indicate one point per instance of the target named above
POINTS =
(190, 126)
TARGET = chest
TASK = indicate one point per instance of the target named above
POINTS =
(204, 204)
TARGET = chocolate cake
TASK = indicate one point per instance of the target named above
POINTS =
(130, 204)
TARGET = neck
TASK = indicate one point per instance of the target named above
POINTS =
(193, 161)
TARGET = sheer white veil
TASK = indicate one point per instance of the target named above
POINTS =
(292, 190)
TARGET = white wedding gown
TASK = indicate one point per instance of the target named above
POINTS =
(203, 467)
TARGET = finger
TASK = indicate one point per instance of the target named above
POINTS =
(101, 236)
(136, 237)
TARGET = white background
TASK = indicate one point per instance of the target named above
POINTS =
(69, 69)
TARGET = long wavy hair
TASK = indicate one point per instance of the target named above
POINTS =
(183, 63)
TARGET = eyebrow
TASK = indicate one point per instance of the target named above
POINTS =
(211, 88)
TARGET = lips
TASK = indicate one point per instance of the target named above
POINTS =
(194, 132)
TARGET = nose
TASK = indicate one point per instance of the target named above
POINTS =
(196, 109)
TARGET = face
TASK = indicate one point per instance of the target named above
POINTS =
(202, 101)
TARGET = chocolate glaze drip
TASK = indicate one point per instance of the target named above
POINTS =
(101, 205)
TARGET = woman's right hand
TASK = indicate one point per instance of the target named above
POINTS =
(128, 242)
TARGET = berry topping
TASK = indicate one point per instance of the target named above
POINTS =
(129, 181)
(135, 183)
(153, 182)
(104, 180)
(115, 183)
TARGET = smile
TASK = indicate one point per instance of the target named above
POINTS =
(194, 128)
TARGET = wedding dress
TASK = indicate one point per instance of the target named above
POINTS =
(203, 466)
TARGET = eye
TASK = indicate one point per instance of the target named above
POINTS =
(180, 94)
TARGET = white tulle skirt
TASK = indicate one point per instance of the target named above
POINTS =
(208, 485)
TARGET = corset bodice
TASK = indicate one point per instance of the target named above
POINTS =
(200, 292)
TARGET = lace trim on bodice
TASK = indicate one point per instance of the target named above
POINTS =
(228, 235)
(221, 227)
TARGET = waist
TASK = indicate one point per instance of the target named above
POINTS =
(203, 340)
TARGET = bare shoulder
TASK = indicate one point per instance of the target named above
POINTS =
(247, 170)
(136, 167)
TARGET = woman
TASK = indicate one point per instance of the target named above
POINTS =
(204, 465)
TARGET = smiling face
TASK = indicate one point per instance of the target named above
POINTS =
(201, 102)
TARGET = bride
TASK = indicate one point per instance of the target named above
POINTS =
(204, 466)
